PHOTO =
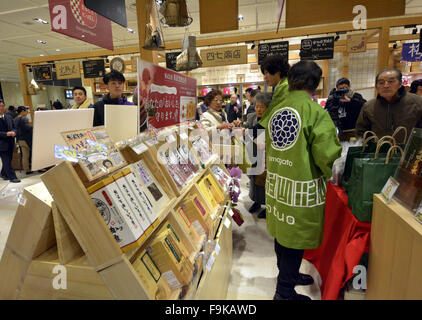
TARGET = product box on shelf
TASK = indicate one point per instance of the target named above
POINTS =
(409, 172)
(196, 212)
(211, 191)
(169, 255)
(114, 209)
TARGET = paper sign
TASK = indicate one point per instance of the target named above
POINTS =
(389, 189)
(68, 70)
(231, 213)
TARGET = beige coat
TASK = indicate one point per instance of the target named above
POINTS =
(211, 119)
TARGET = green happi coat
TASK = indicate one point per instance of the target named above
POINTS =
(280, 92)
(301, 146)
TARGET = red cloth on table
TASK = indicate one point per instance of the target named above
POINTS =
(345, 241)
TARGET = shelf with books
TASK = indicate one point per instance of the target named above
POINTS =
(73, 231)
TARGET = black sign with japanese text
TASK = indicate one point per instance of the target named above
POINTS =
(317, 48)
(275, 48)
(171, 60)
(93, 68)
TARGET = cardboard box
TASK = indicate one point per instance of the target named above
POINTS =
(115, 211)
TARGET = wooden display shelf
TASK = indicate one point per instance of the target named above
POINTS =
(395, 260)
(63, 227)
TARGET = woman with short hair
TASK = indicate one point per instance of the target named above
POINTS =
(215, 117)
(301, 147)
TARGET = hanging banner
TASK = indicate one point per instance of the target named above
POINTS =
(317, 48)
(68, 70)
(410, 52)
(170, 96)
(73, 19)
(268, 49)
(224, 56)
(356, 42)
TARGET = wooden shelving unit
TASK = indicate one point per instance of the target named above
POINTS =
(62, 227)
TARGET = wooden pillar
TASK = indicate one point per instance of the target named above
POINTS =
(142, 9)
(325, 78)
(23, 77)
(383, 50)
(345, 65)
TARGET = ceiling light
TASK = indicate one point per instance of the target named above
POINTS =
(415, 31)
(336, 38)
(40, 21)
(240, 17)
(83, 36)
(130, 30)
(41, 55)
(42, 42)
(58, 50)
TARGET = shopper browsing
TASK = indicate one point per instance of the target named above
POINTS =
(7, 144)
(393, 107)
(251, 108)
(344, 105)
(24, 137)
(301, 147)
(114, 82)
(81, 100)
(256, 151)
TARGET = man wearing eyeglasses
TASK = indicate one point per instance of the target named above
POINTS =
(393, 107)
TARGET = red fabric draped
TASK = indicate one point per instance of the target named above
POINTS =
(345, 241)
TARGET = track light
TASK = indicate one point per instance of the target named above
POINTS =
(336, 38)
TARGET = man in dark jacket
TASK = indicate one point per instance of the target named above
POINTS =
(233, 110)
(12, 112)
(24, 137)
(115, 84)
(393, 107)
(7, 144)
(344, 105)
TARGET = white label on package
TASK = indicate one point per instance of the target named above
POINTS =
(171, 279)
(227, 222)
(231, 213)
(210, 262)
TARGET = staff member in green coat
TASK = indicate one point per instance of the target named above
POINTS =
(301, 145)
(275, 69)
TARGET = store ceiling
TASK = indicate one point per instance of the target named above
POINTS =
(19, 32)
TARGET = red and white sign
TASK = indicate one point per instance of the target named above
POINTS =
(72, 18)
(171, 95)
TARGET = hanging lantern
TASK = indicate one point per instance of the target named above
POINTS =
(175, 13)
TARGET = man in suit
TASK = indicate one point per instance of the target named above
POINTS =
(233, 110)
(7, 145)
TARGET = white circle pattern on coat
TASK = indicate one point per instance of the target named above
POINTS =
(284, 128)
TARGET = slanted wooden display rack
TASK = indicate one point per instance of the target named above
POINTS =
(57, 223)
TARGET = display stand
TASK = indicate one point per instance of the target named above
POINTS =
(63, 227)
(395, 260)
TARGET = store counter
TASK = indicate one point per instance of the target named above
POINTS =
(345, 241)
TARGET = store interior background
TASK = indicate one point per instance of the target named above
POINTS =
(251, 279)
(19, 34)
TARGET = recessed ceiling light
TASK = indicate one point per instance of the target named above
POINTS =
(130, 30)
(41, 55)
(40, 21)
(42, 42)
(240, 17)
(58, 50)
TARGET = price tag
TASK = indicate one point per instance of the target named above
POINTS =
(217, 249)
(227, 222)
(183, 136)
(170, 139)
(140, 148)
(65, 153)
(231, 213)
(94, 157)
(389, 189)
(152, 141)
(210, 262)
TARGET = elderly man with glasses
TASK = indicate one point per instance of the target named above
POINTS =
(393, 107)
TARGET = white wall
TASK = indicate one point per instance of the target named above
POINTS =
(12, 94)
